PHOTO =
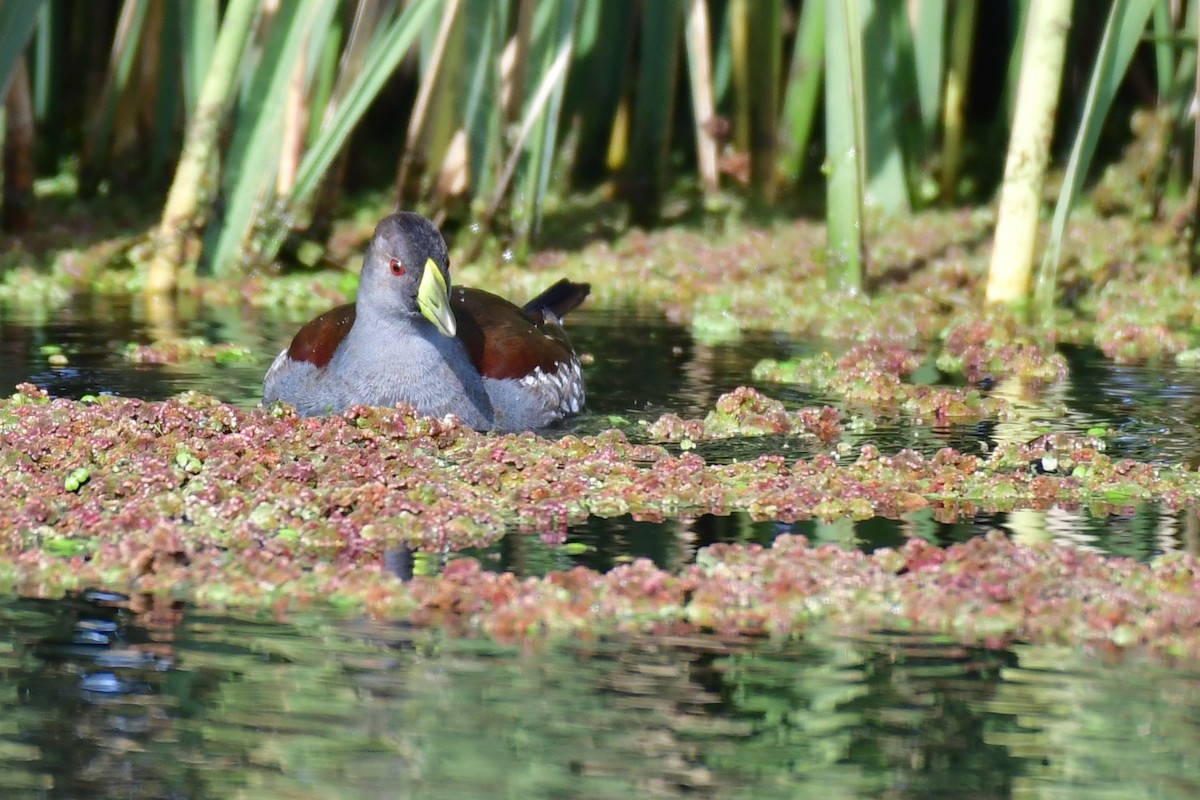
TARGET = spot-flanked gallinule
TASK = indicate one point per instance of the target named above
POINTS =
(411, 338)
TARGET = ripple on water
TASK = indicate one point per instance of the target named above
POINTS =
(323, 706)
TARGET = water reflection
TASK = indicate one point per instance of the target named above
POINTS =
(138, 700)
(92, 332)
(1088, 730)
(1141, 533)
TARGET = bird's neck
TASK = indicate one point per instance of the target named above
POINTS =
(375, 313)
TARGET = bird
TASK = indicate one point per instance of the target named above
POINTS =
(410, 337)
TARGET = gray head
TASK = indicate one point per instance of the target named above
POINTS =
(407, 272)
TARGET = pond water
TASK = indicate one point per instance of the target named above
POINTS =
(99, 702)
(108, 697)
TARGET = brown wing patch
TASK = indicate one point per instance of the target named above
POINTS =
(318, 340)
(502, 340)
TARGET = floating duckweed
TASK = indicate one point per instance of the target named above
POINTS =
(232, 355)
(55, 354)
(65, 548)
(176, 350)
(77, 478)
(188, 462)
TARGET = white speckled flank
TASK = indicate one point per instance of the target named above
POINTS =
(539, 399)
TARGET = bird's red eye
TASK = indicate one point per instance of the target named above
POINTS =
(397, 267)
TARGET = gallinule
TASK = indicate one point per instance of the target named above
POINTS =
(411, 338)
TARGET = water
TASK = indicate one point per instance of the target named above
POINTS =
(101, 702)
(125, 698)
(1141, 534)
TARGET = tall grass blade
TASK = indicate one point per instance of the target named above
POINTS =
(654, 105)
(198, 23)
(1016, 57)
(381, 59)
(766, 66)
(297, 106)
(720, 16)
(929, 48)
(517, 54)
(135, 122)
(537, 104)
(324, 26)
(1028, 151)
(699, 50)
(121, 59)
(17, 18)
(193, 183)
(42, 61)
(886, 90)
(552, 43)
(1164, 58)
(1127, 20)
(844, 123)
(370, 21)
(1194, 184)
(446, 137)
(598, 77)
(803, 90)
(958, 75)
(481, 112)
(1182, 91)
(426, 139)
(167, 85)
(739, 69)
(1175, 101)
(250, 169)
(18, 162)
(325, 75)
(294, 122)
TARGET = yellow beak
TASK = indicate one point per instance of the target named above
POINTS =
(433, 298)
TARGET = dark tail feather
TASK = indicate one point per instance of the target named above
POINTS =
(560, 299)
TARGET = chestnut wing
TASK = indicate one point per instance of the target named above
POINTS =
(318, 340)
(502, 340)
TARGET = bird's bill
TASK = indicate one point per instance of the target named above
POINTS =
(433, 299)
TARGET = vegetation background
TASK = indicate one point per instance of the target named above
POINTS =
(243, 125)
